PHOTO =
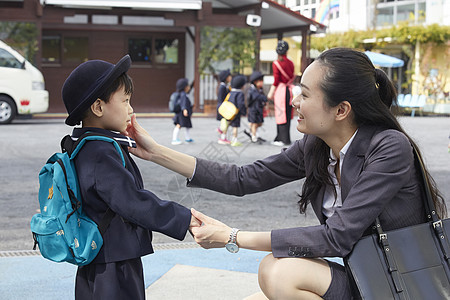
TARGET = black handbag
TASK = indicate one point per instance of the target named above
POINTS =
(406, 263)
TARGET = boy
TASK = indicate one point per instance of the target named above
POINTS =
(222, 92)
(183, 117)
(238, 99)
(255, 102)
(97, 94)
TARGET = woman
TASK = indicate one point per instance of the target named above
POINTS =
(358, 163)
(280, 92)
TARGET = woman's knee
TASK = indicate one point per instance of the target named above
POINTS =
(265, 272)
(281, 277)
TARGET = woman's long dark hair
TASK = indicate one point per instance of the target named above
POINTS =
(350, 76)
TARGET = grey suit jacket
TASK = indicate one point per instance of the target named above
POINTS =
(378, 178)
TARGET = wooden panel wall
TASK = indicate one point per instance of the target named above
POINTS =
(153, 83)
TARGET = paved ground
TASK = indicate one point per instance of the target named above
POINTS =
(172, 273)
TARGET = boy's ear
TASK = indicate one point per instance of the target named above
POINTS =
(343, 110)
(97, 108)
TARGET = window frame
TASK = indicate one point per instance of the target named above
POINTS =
(153, 36)
(62, 60)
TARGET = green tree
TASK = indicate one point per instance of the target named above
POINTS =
(22, 36)
(219, 44)
(402, 33)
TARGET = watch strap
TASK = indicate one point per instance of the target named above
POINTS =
(233, 235)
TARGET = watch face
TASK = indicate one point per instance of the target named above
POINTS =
(233, 248)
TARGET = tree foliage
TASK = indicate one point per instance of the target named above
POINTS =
(403, 33)
(22, 36)
(219, 44)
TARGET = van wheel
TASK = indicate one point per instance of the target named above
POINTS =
(7, 110)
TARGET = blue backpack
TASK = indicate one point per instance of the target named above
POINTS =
(174, 102)
(62, 230)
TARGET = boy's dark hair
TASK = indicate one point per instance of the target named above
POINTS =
(122, 81)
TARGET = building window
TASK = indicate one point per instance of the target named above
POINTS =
(313, 13)
(76, 49)
(51, 49)
(385, 16)
(7, 60)
(266, 67)
(140, 50)
(166, 51)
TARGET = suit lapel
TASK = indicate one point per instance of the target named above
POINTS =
(354, 159)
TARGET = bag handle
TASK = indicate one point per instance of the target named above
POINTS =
(431, 215)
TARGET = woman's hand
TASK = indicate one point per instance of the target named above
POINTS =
(212, 233)
(185, 113)
(146, 145)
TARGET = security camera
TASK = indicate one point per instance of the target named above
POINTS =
(253, 20)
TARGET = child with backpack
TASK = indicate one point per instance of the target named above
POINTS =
(256, 100)
(222, 92)
(97, 95)
(182, 117)
(238, 99)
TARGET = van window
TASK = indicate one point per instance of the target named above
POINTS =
(7, 60)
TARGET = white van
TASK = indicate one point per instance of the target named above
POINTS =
(22, 88)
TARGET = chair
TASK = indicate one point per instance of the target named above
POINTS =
(406, 100)
(419, 103)
(400, 99)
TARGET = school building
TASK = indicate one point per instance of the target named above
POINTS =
(162, 38)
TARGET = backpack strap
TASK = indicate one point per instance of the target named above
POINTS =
(69, 145)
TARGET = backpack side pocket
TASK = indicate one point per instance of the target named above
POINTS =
(48, 233)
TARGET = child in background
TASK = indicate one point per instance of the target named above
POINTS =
(97, 94)
(183, 117)
(238, 99)
(255, 102)
(222, 92)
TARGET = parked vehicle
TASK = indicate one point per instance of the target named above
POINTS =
(22, 87)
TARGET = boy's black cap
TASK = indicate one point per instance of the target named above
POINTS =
(224, 74)
(181, 84)
(255, 76)
(87, 82)
(238, 81)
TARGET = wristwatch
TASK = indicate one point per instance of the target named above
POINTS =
(232, 245)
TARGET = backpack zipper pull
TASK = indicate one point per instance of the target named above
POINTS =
(35, 241)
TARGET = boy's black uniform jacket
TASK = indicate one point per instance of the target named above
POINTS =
(238, 99)
(255, 101)
(221, 95)
(105, 182)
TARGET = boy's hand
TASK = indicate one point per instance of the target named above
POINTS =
(194, 223)
(145, 143)
(212, 233)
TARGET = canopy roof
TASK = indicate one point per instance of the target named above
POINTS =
(383, 60)
(274, 17)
